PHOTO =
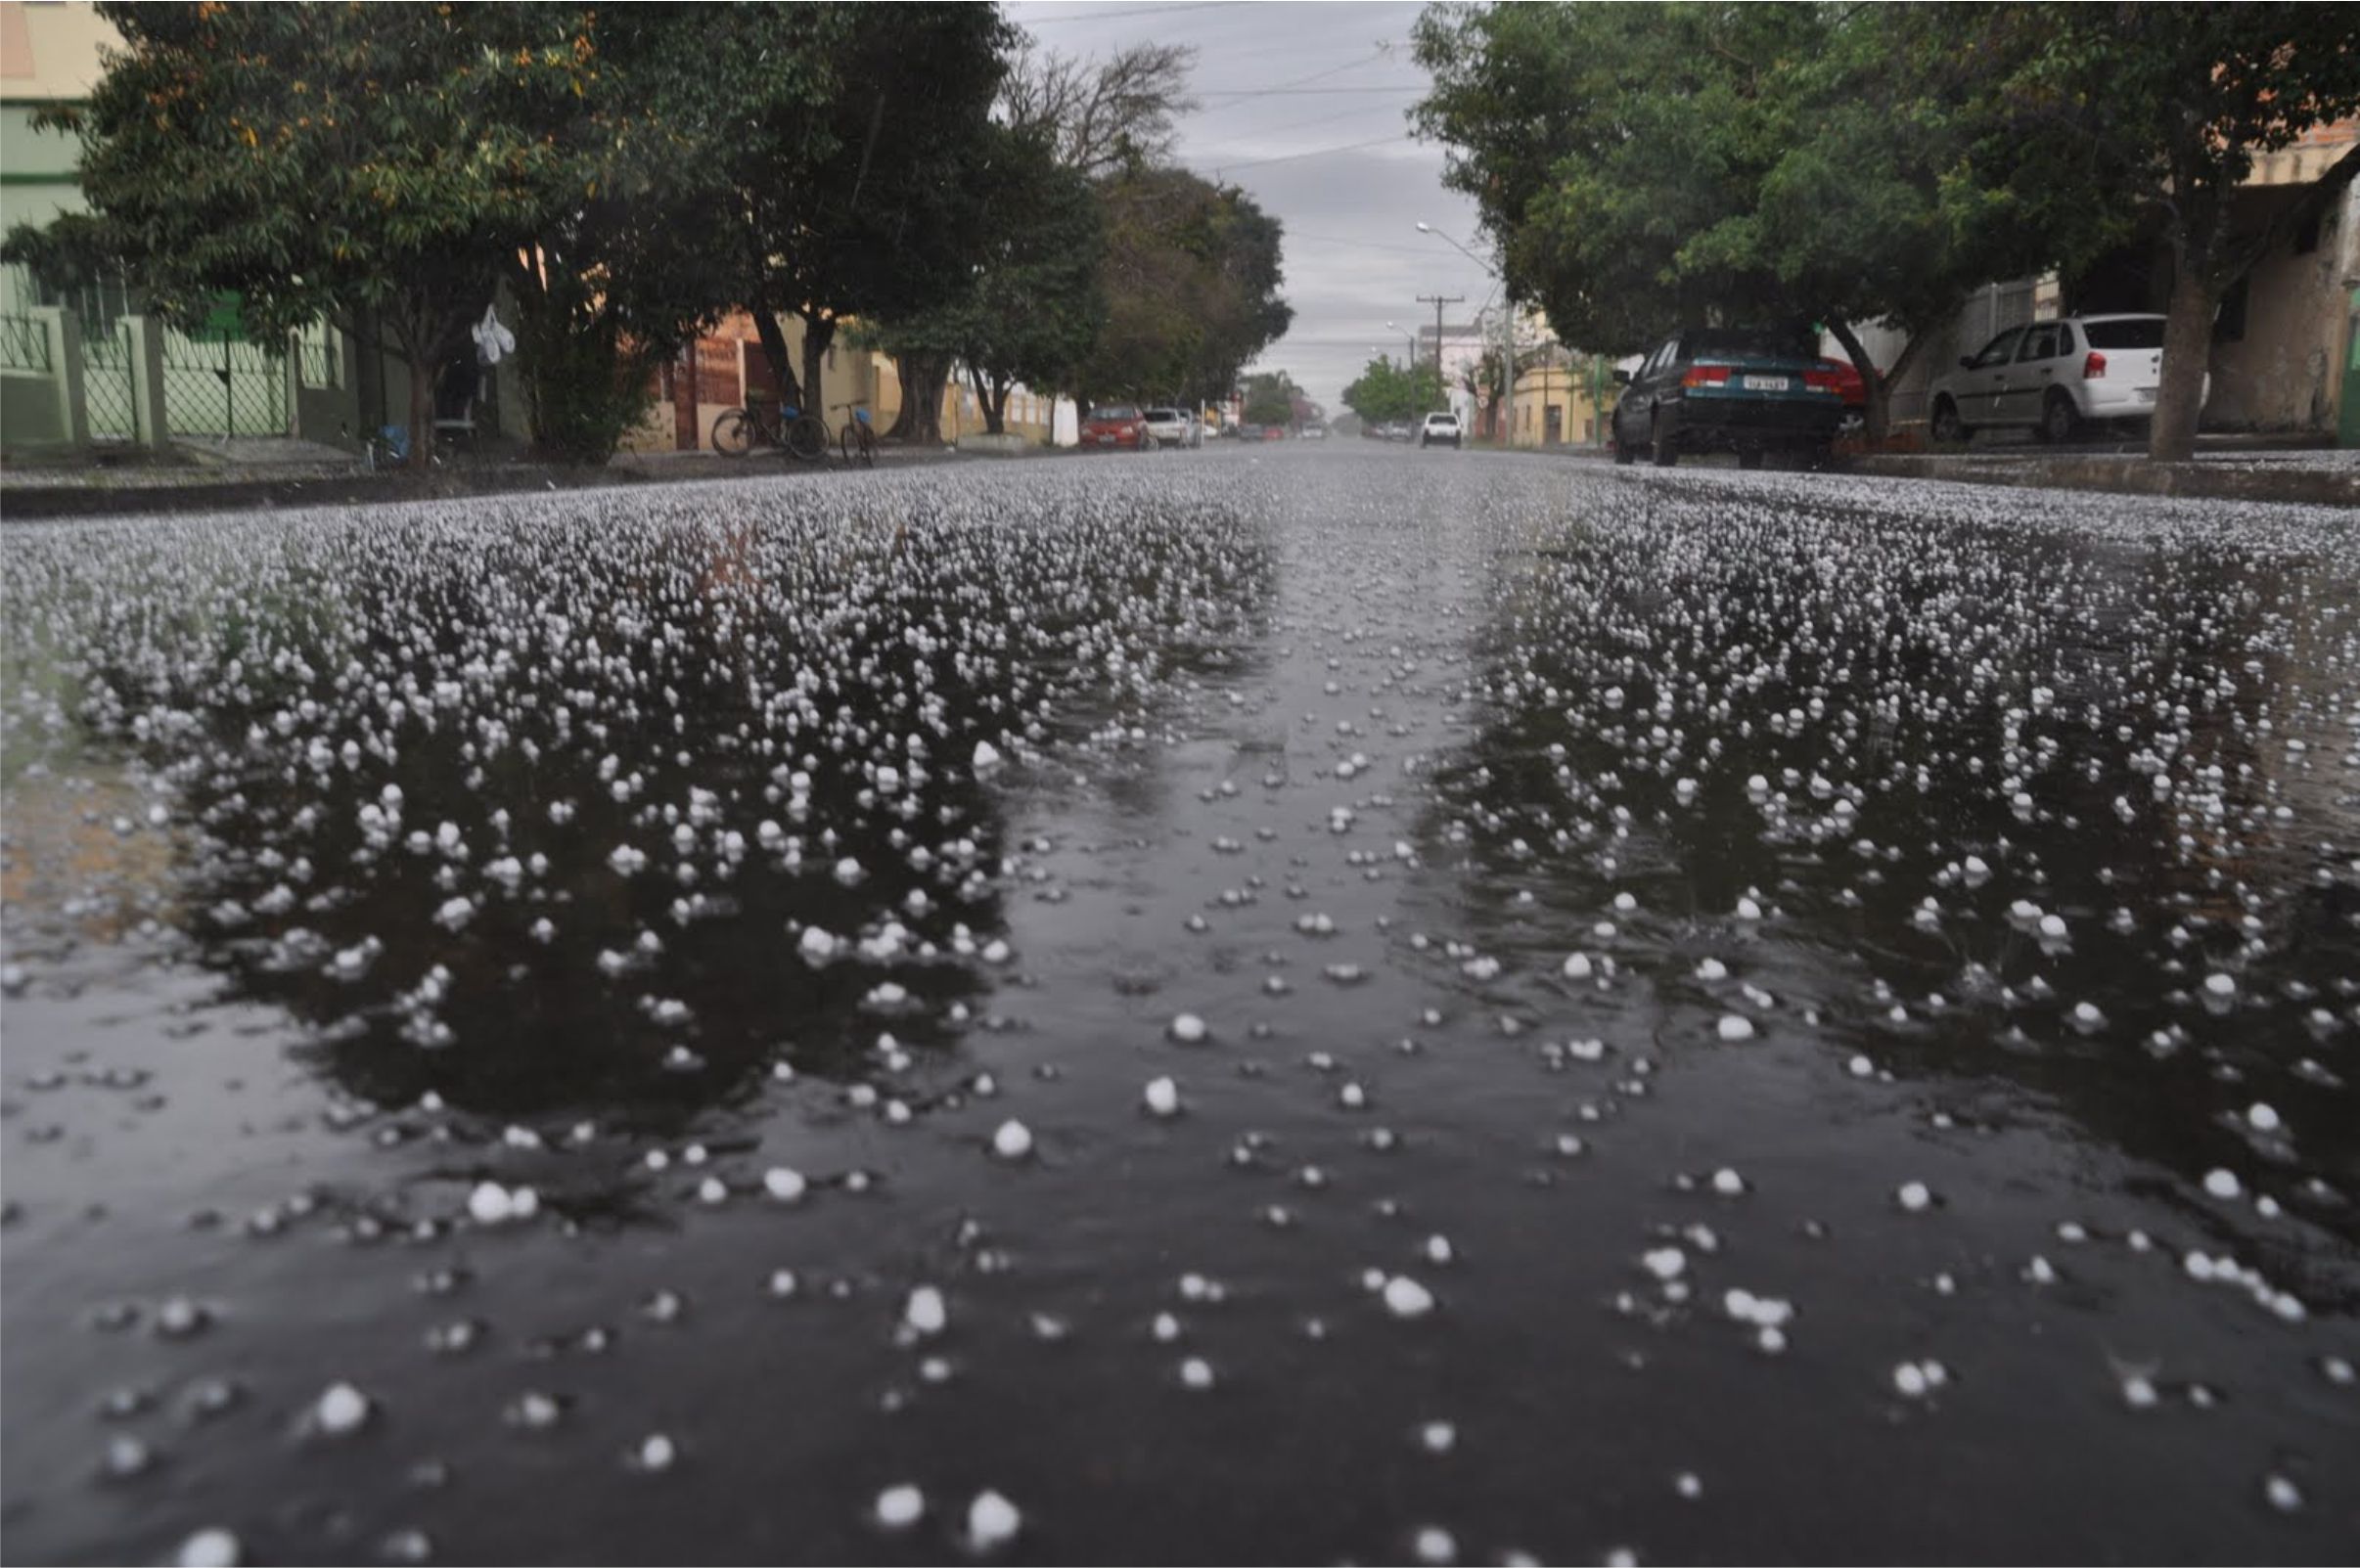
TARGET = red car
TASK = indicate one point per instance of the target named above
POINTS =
(1117, 425)
(1273, 433)
(1848, 385)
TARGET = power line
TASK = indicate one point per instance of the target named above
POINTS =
(1134, 11)
(1296, 92)
(1321, 151)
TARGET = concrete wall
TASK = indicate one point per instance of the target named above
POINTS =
(28, 410)
(2285, 372)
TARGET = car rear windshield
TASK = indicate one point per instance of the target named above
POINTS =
(1752, 342)
(1114, 410)
(2130, 332)
(1165, 415)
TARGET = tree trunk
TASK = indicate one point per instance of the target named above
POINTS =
(909, 370)
(997, 408)
(923, 395)
(991, 407)
(819, 332)
(772, 339)
(2186, 353)
(1877, 415)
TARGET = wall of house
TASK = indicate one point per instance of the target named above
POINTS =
(2281, 367)
(1563, 387)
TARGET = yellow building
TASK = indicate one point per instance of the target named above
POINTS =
(1554, 403)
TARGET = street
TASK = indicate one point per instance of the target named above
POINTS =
(1310, 1004)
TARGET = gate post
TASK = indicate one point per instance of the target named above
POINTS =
(65, 333)
(149, 425)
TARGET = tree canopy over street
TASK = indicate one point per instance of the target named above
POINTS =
(1651, 164)
(632, 175)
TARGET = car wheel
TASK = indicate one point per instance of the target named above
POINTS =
(1663, 439)
(2058, 418)
(1624, 452)
(1949, 427)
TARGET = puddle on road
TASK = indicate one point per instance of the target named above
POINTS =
(1246, 1007)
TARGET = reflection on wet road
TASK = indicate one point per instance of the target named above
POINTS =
(1232, 1005)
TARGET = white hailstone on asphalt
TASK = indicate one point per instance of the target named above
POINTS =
(2283, 1495)
(2262, 1118)
(1909, 1380)
(2222, 1184)
(1437, 1437)
(656, 1453)
(1437, 1546)
(1914, 1196)
(1748, 910)
(1711, 969)
(897, 1507)
(1013, 1139)
(1728, 1183)
(986, 757)
(340, 1411)
(817, 945)
(992, 1521)
(784, 1183)
(2220, 987)
(1162, 1098)
(1188, 1028)
(1664, 1262)
(1578, 966)
(2087, 1017)
(1405, 1297)
(924, 1313)
(1735, 1026)
(1196, 1373)
(210, 1548)
(2052, 926)
(996, 952)
(713, 1189)
(1687, 1485)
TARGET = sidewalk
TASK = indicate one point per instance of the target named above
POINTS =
(259, 474)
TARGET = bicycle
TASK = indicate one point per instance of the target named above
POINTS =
(802, 435)
(857, 441)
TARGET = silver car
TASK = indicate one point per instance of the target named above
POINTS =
(2053, 377)
(1172, 426)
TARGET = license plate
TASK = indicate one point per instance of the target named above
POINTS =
(1768, 384)
(1106, 440)
(2147, 394)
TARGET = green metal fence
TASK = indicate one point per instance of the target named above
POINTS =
(223, 387)
(109, 389)
(24, 344)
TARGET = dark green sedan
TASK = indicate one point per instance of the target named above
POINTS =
(1747, 390)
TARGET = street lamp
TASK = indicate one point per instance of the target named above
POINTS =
(1409, 337)
(1507, 326)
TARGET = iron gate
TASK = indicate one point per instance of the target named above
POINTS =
(223, 387)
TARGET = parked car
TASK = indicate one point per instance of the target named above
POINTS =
(1172, 426)
(1273, 433)
(1743, 389)
(1396, 431)
(1315, 433)
(1117, 425)
(1439, 428)
(1852, 390)
(1249, 433)
(2053, 377)
(1228, 431)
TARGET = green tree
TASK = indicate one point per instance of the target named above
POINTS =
(1032, 310)
(1655, 163)
(1192, 279)
(839, 151)
(2158, 110)
(1387, 391)
(1270, 398)
(317, 161)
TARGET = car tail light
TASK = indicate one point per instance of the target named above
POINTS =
(1823, 381)
(1705, 375)
(2092, 367)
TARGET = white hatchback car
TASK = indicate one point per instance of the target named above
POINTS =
(1439, 427)
(1172, 426)
(2053, 377)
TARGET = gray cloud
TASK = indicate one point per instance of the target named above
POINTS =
(1291, 97)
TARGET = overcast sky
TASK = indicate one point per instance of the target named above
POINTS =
(1302, 104)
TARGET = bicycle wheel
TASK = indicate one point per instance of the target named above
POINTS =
(857, 445)
(807, 438)
(868, 446)
(734, 433)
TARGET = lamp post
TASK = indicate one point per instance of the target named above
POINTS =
(1506, 383)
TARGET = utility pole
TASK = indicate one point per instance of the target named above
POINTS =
(1438, 301)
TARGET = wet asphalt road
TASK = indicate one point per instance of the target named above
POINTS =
(1284, 1004)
